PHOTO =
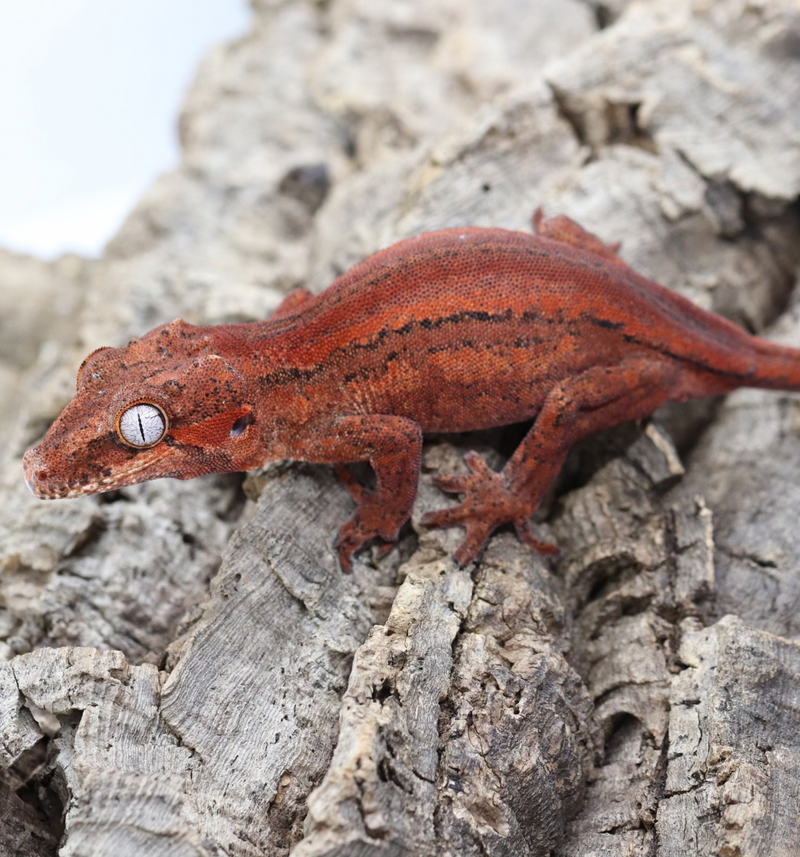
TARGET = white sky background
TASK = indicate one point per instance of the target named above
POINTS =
(90, 92)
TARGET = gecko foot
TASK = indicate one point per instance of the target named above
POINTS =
(488, 503)
(368, 522)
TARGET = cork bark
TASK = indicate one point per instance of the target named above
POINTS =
(185, 672)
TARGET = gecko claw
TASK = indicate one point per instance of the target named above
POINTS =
(346, 550)
(355, 533)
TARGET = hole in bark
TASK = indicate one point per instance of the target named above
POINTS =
(397, 660)
(517, 700)
(608, 575)
(603, 16)
(388, 773)
(785, 45)
(610, 123)
(422, 39)
(624, 738)
(382, 693)
(309, 184)
(33, 777)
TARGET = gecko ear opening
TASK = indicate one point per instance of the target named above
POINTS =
(241, 424)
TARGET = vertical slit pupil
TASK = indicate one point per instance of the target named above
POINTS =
(141, 427)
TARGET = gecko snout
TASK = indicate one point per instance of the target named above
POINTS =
(35, 472)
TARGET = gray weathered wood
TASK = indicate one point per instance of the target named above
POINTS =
(183, 668)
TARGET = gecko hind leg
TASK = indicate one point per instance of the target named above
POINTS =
(592, 401)
(567, 231)
(291, 302)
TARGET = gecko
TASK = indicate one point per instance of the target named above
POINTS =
(449, 331)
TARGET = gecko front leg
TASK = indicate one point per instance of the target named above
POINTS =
(393, 446)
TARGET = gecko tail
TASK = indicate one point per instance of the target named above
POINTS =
(777, 366)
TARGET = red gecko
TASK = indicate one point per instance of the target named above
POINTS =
(450, 331)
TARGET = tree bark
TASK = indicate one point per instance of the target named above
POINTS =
(183, 668)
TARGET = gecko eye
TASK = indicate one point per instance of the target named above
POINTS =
(141, 425)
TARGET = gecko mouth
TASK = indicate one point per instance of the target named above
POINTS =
(41, 484)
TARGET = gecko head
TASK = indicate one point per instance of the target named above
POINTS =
(166, 405)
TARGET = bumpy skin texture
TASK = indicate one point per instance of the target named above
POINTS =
(450, 331)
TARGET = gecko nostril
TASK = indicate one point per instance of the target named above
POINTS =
(42, 474)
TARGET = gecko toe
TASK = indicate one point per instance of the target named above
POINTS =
(480, 476)
(345, 559)
(360, 529)
(442, 518)
(478, 466)
(473, 544)
(452, 483)
(527, 537)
